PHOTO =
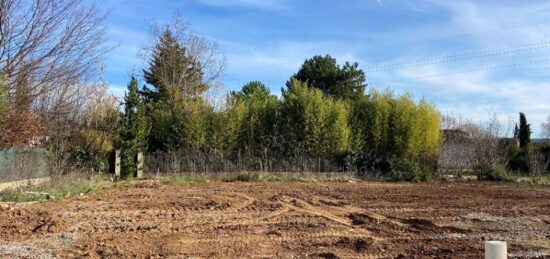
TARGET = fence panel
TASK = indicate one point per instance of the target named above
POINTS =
(22, 163)
(184, 161)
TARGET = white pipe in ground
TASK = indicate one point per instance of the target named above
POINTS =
(495, 250)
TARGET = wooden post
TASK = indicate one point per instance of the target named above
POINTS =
(139, 173)
(117, 164)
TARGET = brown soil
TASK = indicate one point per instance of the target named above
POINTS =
(322, 220)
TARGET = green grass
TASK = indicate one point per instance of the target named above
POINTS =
(21, 197)
(255, 177)
(281, 177)
(181, 180)
(48, 194)
(66, 191)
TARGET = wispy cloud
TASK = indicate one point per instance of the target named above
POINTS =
(274, 63)
(269, 39)
(473, 95)
(476, 26)
(117, 90)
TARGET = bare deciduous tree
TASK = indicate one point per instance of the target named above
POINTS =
(488, 142)
(457, 150)
(470, 146)
(537, 161)
(49, 49)
(92, 125)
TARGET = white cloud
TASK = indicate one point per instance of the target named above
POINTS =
(282, 59)
(474, 26)
(117, 90)
(462, 27)
(490, 24)
(474, 95)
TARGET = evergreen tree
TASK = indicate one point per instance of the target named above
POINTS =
(524, 131)
(173, 72)
(324, 74)
(135, 128)
(252, 88)
(175, 106)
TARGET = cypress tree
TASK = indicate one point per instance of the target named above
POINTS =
(135, 128)
(524, 131)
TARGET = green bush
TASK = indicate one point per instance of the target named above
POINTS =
(385, 125)
(519, 161)
(85, 159)
(406, 170)
(313, 124)
(248, 177)
(492, 172)
(519, 158)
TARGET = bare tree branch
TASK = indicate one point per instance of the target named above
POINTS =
(55, 47)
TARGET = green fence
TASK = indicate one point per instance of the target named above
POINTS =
(22, 163)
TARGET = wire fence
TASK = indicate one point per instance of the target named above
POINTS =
(213, 162)
(23, 163)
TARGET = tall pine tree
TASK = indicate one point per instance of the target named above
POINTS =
(174, 100)
(173, 72)
(524, 131)
(135, 128)
(323, 73)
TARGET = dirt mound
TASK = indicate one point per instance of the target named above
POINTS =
(20, 223)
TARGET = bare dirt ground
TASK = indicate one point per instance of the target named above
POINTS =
(325, 220)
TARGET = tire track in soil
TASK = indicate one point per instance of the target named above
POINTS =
(283, 220)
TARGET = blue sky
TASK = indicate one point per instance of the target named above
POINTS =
(445, 51)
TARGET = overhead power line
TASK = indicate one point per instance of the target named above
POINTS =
(464, 56)
(504, 66)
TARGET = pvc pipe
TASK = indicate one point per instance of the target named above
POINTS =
(495, 250)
